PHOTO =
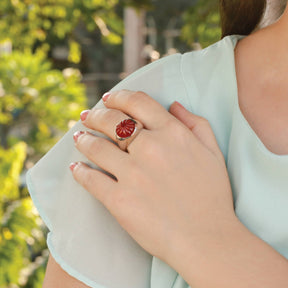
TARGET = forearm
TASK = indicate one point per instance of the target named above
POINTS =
(233, 257)
(55, 277)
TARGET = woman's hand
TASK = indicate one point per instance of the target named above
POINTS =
(171, 187)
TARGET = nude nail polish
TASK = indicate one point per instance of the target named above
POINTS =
(73, 165)
(84, 115)
(106, 96)
(77, 134)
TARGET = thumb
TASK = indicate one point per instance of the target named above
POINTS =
(198, 125)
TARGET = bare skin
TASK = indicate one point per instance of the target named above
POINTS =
(262, 69)
(56, 277)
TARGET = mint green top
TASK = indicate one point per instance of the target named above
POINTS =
(89, 243)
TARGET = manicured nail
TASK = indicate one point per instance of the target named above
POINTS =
(106, 96)
(77, 134)
(73, 165)
(84, 115)
(179, 104)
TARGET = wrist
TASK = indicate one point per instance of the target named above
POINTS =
(228, 256)
(193, 253)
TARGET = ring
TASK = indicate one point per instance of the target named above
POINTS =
(126, 131)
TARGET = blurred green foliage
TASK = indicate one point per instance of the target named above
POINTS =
(36, 103)
(202, 23)
(21, 237)
(38, 23)
(37, 100)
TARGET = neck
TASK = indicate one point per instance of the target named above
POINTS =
(267, 50)
(280, 27)
(275, 35)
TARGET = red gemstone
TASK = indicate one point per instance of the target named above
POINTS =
(125, 128)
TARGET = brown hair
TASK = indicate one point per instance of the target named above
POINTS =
(240, 16)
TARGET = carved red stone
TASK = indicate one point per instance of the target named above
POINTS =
(125, 128)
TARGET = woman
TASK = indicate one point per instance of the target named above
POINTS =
(168, 187)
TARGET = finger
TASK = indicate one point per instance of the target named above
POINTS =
(102, 152)
(95, 182)
(105, 121)
(139, 106)
(198, 125)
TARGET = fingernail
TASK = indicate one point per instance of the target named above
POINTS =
(73, 165)
(106, 96)
(77, 134)
(84, 115)
(179, 104)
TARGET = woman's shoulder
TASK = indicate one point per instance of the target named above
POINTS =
(197, 65)
(221, 52)
(179, 70)
(210, 73)
(173, 62)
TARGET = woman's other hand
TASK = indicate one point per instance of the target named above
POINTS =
(171, 188)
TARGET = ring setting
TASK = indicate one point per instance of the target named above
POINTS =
(125, 129)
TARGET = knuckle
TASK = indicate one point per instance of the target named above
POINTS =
(203, 126)
(153, 149)
(100, 115)
(84, 176)
(172, 125)
(93, 117)
(96, 144)
(203, 121)
(90, 143)
(109, 115)
(94, 113)
(135, 98)
(177, 131)
(141, 94)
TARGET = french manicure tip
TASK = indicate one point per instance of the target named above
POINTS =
(84, 115)
(72, 166)
(106, 96)
(77, 134)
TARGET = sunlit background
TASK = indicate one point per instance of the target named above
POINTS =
(57, 57)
